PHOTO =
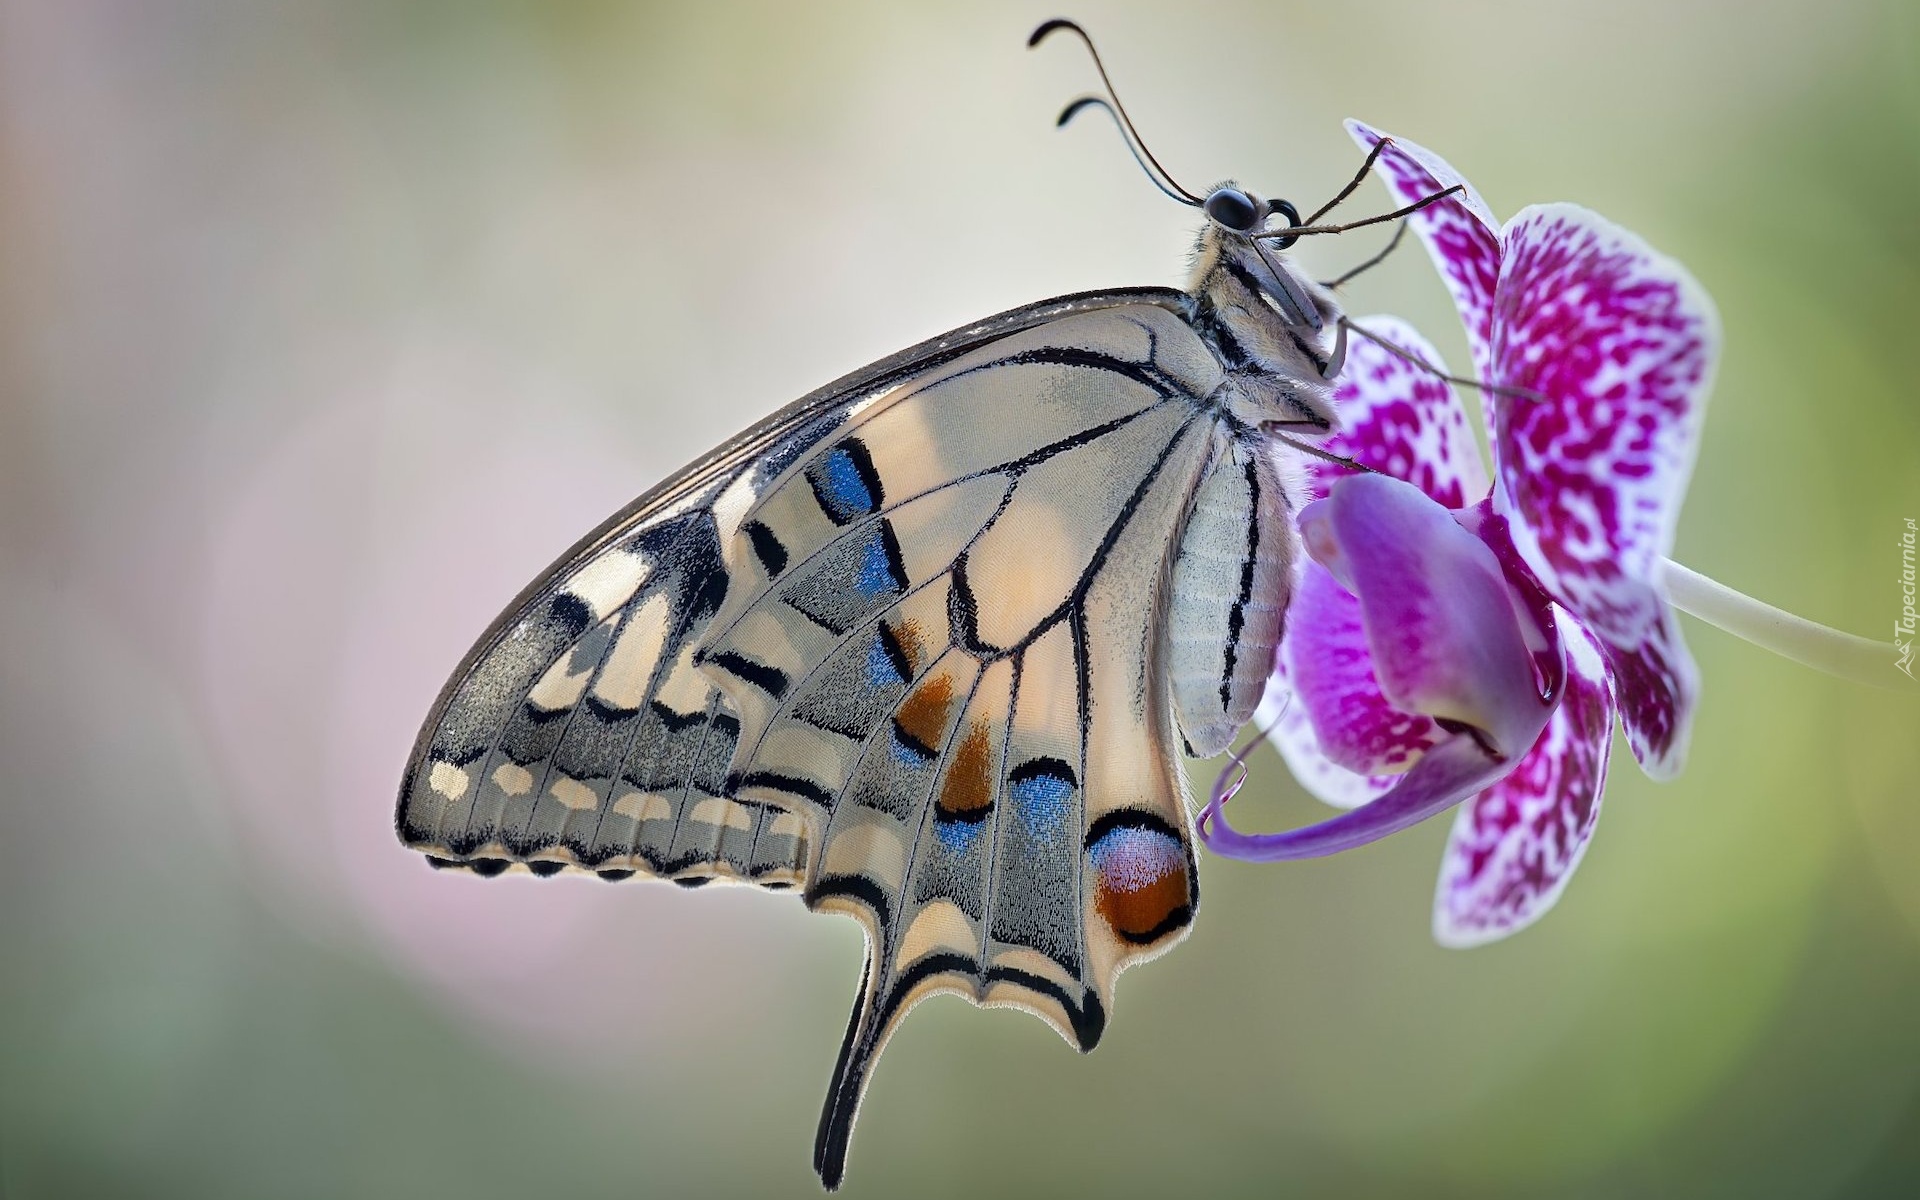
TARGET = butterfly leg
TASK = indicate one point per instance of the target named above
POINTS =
(1399, 231)
(1359, 177)
(1408, 355)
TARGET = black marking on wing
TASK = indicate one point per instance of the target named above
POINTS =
(963, 611)
(1046, 767)
(767, 547)
(895, 652)
(1074, 356)
(1089, 1016)
(903, 738)
(770, 680)
(793, 785)
(676, 722)
(858, 887)
(570, 613)
(896, 565)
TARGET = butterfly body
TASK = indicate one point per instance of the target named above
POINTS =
(924, 646)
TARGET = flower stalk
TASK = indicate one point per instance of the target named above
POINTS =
(1842, 655)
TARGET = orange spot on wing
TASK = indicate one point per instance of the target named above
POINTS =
(923, 714)
(1141, 886)
(968, 789)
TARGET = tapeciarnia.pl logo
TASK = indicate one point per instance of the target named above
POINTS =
(1903, 628)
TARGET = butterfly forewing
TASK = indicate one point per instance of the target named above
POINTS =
(580, 733)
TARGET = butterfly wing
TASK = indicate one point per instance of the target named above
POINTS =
(576, 735)
(899, 646)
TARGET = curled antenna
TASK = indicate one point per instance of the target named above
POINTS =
(1072, 110)
(1159, 174)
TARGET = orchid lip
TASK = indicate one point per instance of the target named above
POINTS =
(1446, 775)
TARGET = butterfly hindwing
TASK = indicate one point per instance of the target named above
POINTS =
(958, 666)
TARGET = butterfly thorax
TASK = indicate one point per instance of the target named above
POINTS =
(1279, 366)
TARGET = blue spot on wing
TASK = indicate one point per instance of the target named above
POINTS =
(876, 571)
(1042, 792)
(958, 836)
(845, 482)
(881, 669)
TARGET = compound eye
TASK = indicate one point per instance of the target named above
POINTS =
(1283, 208)
(1231, 208)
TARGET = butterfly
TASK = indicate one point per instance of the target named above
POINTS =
(925, 646)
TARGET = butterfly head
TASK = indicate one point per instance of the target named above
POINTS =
(1284, 322)
(1234, 209)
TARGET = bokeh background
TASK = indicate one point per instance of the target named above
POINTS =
(324, 326)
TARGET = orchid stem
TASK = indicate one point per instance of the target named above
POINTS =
(1855, 659)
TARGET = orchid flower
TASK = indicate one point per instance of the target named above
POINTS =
(1459, 638)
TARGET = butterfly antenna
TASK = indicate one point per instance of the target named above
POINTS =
(1068, 113)
(1111, 102)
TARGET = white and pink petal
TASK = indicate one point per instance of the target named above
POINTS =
(1460, 232)
(1622, 343)
(1515, 845)
(1657, 687)
(1402, 420)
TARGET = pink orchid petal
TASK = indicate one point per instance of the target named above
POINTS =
(1402, 420)
(1515, 845)
(1443, 632)
(1345, 743)
(1460, 231)
(1657, 687)
(1623, 343)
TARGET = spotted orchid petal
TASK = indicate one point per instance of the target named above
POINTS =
(1407, 422)
(1401, 419)
(1516, 844)
(1444, 640)
(1460, 231)
(1621, 343)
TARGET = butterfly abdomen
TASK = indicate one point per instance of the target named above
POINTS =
(1227, 605)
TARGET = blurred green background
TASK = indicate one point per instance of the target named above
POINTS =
(324, 326)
